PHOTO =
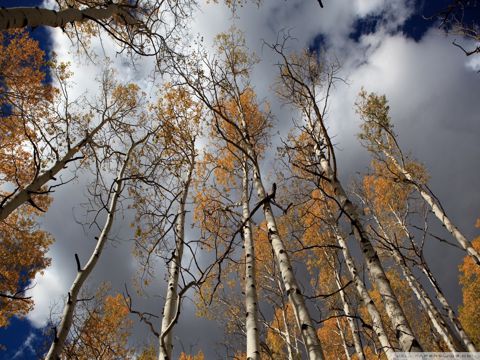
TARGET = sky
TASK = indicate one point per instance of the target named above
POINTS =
(385, 46)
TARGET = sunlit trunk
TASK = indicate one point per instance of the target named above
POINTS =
(293, 291)
(437, 210)
(344, 341)
(377, 324)
(34, 16)
(251, 299)
(35, 186)
(83, 273)
(171, 306)
(351, 321)
(403, 332)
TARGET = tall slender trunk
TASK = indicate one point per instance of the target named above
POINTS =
(33, 16)
(171, 306)
(294, 294)
(288, 336)
(460, 338)
(35, 186)
(425, 301)
(422, 296)
(437, 210)
(344, 341)
(83, 273)
(251, 299)
(449, 311)
(403, 331)
(351, 321)
(377, 323)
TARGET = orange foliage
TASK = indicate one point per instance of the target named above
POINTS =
(329, 335)
(22, 91)
(470, 279)
(417, 318)
(104, 334)
(198, 356)
(242, 120)
(20, 237)
(22, 95)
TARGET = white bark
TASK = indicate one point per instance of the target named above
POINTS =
(449, 312)
(171, 306)
(83, 273)
(35, 186)
(295, 297)
(351, 321)
(461, 340)
(344, 342)
(251, 298)
(437, 210)
(377, 324)
(435, 317)
(288, 337)
(30, 16)
(403, 332)
(432, 312)
(294, 294)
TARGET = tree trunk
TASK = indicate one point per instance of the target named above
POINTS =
(83, 273)
(295, 297)
(35, 186)
(171, 306)
(437, 210)
(434, 315)
(251, 299)
(461, 340)
(403, 332)
(436, 318)
(351, 321)
(367, 300)
(34, 16)
(344, 341)
(449, 311)
(288, 337)
(294, 294)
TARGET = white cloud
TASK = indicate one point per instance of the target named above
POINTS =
(48, 291)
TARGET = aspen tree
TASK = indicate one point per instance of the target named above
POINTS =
(225, 164)
(251, 298)
(180, 119)
(142, 27)
(67, 137)
(379, 138)
(61, 332)
(167, 168)
(300, 78)
(388, 204)
(100, 328)
(321, 209)
(319, 237)
(470, 281)
(227, 80)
